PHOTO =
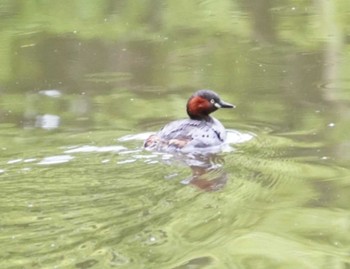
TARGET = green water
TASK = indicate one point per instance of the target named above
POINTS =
(82, 83)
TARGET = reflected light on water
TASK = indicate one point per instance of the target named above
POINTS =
(51, 93)
(85, 149)
(47, 121)
(56, 159)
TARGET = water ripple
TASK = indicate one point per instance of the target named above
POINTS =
(120, 206)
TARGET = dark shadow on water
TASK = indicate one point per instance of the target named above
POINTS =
(208, 173)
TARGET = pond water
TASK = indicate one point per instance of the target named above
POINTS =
(82, 84)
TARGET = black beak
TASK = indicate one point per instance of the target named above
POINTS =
(222, 104)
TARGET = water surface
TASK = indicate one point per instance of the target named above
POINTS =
(81, 86)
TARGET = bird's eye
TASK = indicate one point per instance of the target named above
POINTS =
(212, 101)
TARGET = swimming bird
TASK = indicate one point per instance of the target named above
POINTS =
(200, 131)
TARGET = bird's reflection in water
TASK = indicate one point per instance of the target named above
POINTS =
(208, 172)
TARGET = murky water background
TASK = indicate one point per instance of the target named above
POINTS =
(82, 84)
